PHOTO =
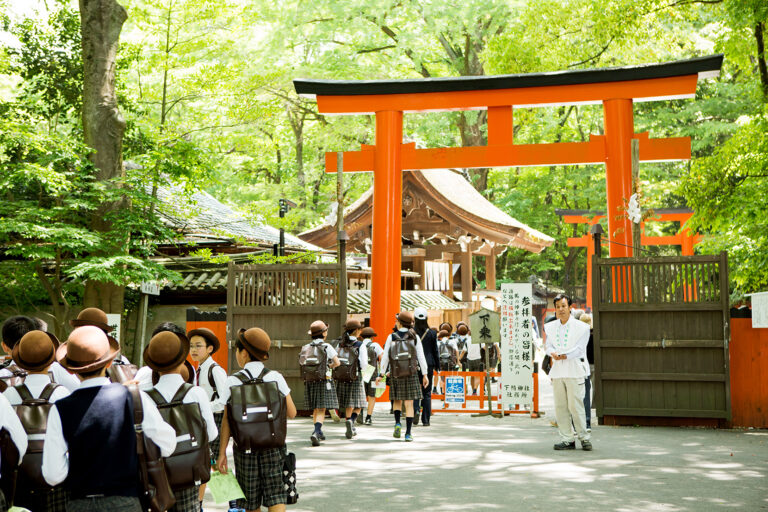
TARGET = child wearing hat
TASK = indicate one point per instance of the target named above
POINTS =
(351, 394)
(407, 388)
(259, 473)
(14, 328)
(167, 355)
(321, 395)
(35, 353)
(90, 442)
(374, 352)
(98, 318)
(10, 422)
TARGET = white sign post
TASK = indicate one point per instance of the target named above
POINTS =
(517, 345)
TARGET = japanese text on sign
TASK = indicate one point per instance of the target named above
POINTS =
(517, 344)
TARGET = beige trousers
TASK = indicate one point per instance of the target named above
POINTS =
(569, 408)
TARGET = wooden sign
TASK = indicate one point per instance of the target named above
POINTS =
(485, 326)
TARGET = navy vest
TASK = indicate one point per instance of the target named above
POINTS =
(98, 427)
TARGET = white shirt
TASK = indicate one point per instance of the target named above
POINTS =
(255, 368)
(219, 378)
(569, 339)
(450, 342)
(419, 353)
(11, 422)
(56, 458)
(36, 383)
(473, 349)
(60, 376)
(144, 376)
(169, 384)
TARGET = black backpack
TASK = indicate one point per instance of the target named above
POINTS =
(256, 412)
(189, 464)
(447, 356)
(373, 358)
(33, 413)
(313, 362)
(212, 382)
(402, 354)
(349, 367)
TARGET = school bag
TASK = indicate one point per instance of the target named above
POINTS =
(212, 382)
(256, 412)
(121, 372)
(313, 362)
(447, 356)
(16, 377)
(372, 358)
(349, 366)
(189, 464)
(9, 461)
(33, 413)
(402, 354)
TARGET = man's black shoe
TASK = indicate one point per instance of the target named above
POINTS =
(566, 446)
(586, 446)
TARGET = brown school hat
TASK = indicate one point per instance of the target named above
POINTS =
(166, 351)
(208, 335)
(256, 341)
(443, 328)
(352, 325)
(92, 316)
(443, 334)
(405, 318)
(35, 351)
(462, 329)
(368, 332)
(88, 349)
(317, 327)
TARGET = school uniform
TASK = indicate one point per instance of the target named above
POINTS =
(260, 473)
(352, 394)
(475, 361)
(404, 388)
(144, 377)
(58, 373)
(11, 422)
(322, 394)
(188, 500)
(369, 389)
(90, 446)
(217, 397)
(56, 499)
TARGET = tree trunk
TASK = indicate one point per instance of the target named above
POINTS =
(101, 22)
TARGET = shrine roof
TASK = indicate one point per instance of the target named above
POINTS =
(704, 67)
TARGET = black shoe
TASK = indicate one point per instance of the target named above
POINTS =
(586, 446)
(349, 429)
(425, 423)
(321, 436)
(368, 421)
(566, 446)
(315, 439)
(415, 420)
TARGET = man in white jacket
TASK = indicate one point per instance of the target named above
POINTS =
(566, 343)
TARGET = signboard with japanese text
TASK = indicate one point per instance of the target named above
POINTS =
(516, 345)
(454, 390)
(114, 320)
(485, 326)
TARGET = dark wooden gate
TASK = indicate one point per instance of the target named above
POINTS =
(661, 332)
(284, 300)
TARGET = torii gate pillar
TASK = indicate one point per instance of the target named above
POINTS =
(619, 131)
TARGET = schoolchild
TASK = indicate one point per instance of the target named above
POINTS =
(448, 355)
(97, 318)
(348, 376)
(144, 375)
(374, 352)
(13, 330)
(10, 422)
(404, 354)
(319, 393)
(473, 351)
(166, 353)
(259, 473)
(429, 344)
(35, 353)
(90, 442)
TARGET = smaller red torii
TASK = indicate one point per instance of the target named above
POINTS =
(683, 238)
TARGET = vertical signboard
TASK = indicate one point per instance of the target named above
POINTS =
(516, 345)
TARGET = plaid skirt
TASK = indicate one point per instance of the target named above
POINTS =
(351, 394)
(405, 388)
(318, 396)
(260, 475)
(54, 500)
(217, 417)
(476, 365)
(187, 500)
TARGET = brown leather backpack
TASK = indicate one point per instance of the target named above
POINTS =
(313, 362)
(121, 372)
(349, 364)
(16, 377)
(190, 464)
(33, 413)
(402, 354)
(156, 494)
(256, 412)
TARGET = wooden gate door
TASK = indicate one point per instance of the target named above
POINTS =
(661, 332)
(284, 300)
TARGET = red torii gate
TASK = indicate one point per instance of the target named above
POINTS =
(684, 238)
(614, 88)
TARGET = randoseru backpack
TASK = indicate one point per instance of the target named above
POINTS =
(349, 367)
(16, 377)
(402, 355)
(373, 358)
(189, 464)
(313, 362)
(33, 413)
(121, 372)
(447, 356)
(256, 412)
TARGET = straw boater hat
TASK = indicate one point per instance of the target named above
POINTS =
(256, 341)
(35, 351)
(405, 318)
(207, 334)
(368, 332)
(352, 325)
(92, 316)
(88, 349)
(166, 351)
(317, 327)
